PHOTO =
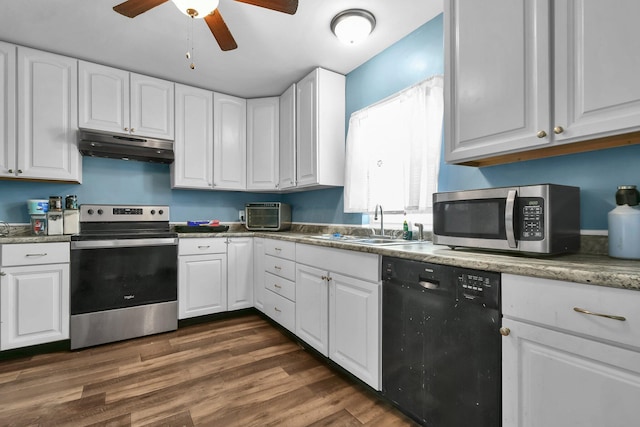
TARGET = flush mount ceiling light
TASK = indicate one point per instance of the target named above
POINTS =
(353, 26)
(196, 8)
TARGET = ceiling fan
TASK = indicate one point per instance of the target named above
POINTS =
(206, 9)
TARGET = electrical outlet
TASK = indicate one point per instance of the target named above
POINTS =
(241, 216)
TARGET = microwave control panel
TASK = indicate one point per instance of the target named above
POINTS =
(531, 215)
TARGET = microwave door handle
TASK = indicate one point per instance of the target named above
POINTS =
(508, 218)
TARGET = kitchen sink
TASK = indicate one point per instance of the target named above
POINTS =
(361, 240)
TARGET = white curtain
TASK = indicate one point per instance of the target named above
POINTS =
(393, 151)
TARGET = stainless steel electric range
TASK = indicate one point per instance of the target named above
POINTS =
(124, 274)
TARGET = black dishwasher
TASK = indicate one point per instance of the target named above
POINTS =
(441, 346)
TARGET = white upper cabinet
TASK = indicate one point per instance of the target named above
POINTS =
(7, 109)
(596, 89)
(497, 83)
(47, 117)
(517, 80)
(114, 100)
(229, 142)
(320, 129)
(193, 146)
(287, 151)
(263, 143)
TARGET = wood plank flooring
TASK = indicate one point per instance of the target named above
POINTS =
(233, 372)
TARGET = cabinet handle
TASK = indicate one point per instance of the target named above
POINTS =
(204, 247)
(277, 286)
(30, 255)
(278, 249)
(10, 171)
(276, 309)
(277, 268)
(2, 273)
(126, 129)
(19, 170)
(541, 134)
(505, 331)
(133, 130)
(558, 130)
(608, 316)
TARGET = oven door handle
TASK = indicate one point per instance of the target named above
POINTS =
(123, 243)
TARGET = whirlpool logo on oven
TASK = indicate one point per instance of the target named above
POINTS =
(128, 297)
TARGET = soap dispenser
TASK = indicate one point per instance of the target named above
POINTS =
(624, 224)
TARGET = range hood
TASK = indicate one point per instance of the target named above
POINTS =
(126, 147)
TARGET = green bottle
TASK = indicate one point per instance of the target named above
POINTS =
(405, 229)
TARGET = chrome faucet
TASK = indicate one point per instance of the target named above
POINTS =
(420, 231)
(375, 218)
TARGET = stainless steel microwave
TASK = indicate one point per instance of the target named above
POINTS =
(541, 219)
(268, 216)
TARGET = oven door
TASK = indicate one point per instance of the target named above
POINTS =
(120, 273)
(476, 218)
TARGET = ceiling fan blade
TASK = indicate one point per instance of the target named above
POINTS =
(285, 6)
(220, 30)
(133, 8)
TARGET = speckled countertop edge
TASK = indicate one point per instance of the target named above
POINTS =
(590, 269)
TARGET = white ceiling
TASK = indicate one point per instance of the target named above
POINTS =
(274, 49)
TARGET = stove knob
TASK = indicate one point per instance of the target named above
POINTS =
(90, 211)
(160, 211)
(153, 211)
(100, 212)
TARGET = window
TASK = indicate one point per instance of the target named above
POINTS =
(393, 152)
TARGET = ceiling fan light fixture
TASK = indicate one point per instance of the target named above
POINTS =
(196, 8)
(353, 26)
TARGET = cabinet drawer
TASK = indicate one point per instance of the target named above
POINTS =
(280, 309)
(280, 286)
(280, 267)
(351, 263)
(552, 303)
(280, 248)
(34, 253)
(195, 246)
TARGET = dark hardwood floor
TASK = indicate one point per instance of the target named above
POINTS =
(233, 372)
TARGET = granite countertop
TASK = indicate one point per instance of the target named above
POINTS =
(587, 268)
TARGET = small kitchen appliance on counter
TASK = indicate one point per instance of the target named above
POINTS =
(268, 216)
(539, 219)
(124, 274)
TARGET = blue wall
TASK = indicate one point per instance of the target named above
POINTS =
(412, 59)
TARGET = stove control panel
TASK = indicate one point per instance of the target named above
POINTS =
(123, 213)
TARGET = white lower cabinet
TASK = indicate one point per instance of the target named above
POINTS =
(34, 294)
(240, 273)
(338, 308)
(258, 273)
(562, 366)
(202, 276)
(278, 280)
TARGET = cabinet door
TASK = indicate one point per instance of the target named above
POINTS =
(7, 110)
(103, 97)
(229, 142)
(34, 305)
(240, 274)
(152, 107)
(262, 143)
(596, 75)
(287, 152)
(497, 77)
(554, 379)
(312, 300)
(258, 273)
(307, 130)
(202, 285)
(354, 327)
(193, 146)
(47, 116)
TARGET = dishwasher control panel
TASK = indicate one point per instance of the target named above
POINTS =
(483, 286)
